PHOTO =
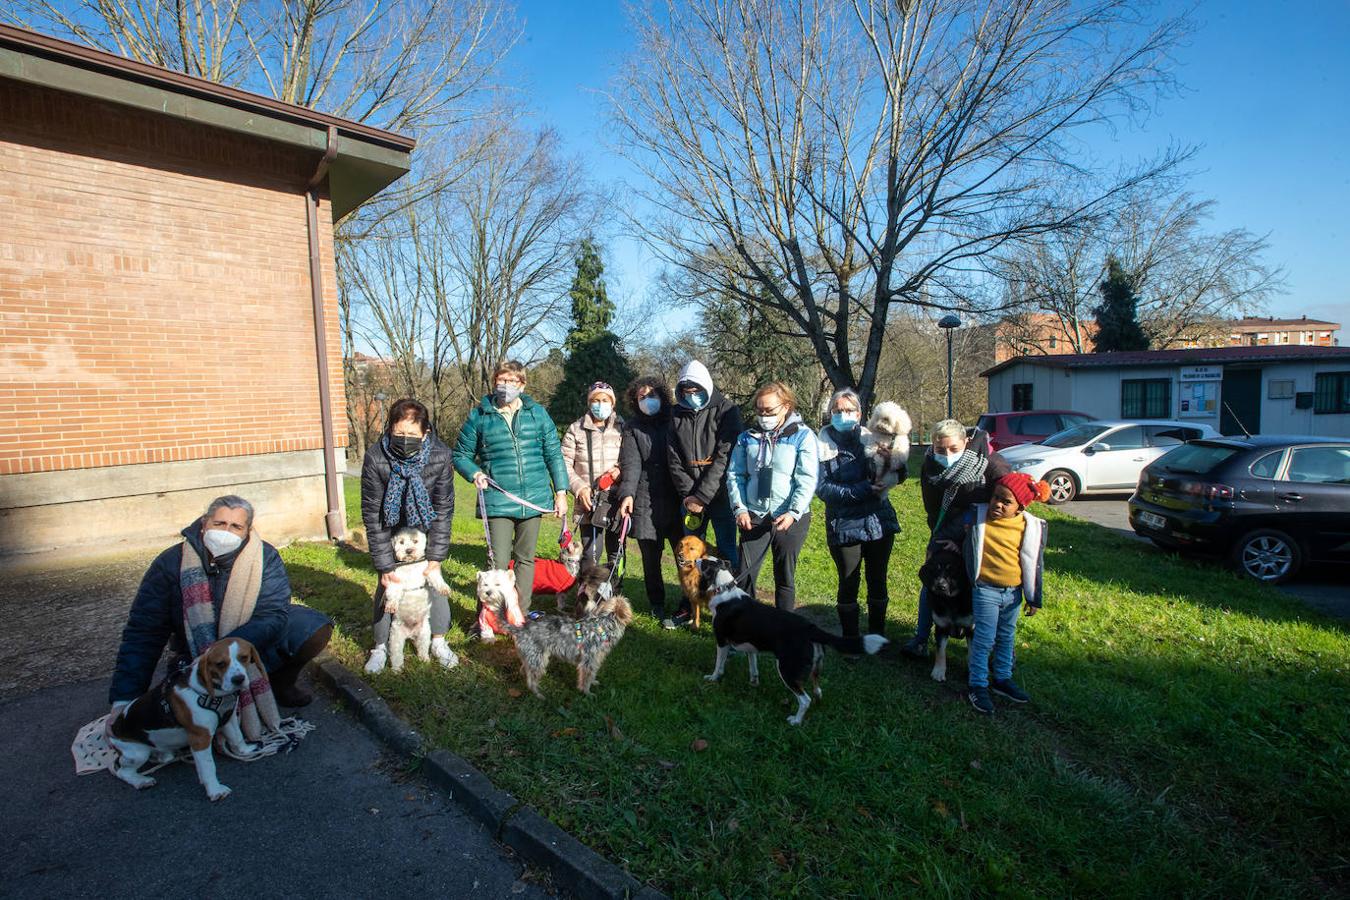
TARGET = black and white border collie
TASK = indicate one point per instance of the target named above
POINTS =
(741, 623)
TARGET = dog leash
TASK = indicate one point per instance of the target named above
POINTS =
(616, 570)
(521, 500)
(487, 535)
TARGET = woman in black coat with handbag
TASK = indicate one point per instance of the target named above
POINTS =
(407, 479)
(646, 491)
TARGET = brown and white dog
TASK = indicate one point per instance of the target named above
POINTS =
(688, 552)
(186, 710)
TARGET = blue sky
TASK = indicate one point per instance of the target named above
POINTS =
(1266, 94)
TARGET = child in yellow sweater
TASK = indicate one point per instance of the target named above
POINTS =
(1004, 552)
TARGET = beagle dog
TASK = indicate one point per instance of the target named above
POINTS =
(186, 710)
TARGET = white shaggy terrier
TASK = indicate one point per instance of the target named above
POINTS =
(498, 603)
(887, 443)
(408, 600)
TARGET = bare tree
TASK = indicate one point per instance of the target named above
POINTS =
(1187, 279)
(403, 65)
(845, 157)
(473, 274)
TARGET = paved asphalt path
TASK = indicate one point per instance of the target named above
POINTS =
(1324, 588)
(335, 818)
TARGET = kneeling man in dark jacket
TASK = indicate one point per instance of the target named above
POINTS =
(285, 636)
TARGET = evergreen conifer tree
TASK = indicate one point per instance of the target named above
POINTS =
(593, 351)
(1117, 315)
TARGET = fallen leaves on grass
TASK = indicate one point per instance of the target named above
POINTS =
(569, 731)
(613, 729)
(514, 693)
(699, 745)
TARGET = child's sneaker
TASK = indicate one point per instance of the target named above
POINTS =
(980, 699)
(668, 624)
(1008, 688)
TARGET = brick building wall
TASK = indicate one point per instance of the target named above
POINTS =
(154, 304)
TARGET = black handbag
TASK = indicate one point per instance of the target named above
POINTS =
(603, 502)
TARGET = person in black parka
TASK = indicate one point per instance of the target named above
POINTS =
(646, 491)
(407, 479)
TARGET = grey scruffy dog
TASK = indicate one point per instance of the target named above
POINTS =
(584, 642)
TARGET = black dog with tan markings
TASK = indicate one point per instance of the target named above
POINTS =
(945, 579)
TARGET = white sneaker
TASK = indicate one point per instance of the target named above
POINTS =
(441, 651)
(378, 657)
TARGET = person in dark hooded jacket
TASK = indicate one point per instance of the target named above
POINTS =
(704, 427)
(958, 471)
(646, 491)
(285, 636)
(407, 480)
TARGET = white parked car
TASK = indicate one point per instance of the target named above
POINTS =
(1100, 456)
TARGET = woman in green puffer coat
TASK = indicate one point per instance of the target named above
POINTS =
(511, 439)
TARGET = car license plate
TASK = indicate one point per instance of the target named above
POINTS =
(1153, 521)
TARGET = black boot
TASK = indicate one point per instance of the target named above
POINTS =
(876, 617)
(848, 619)
(284, 687)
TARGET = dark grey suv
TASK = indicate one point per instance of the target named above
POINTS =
(1269, 503)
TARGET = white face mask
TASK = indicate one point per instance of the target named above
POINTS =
(650, 405)
(220, 542)
(768, 423)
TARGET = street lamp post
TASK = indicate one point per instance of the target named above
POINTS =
(949, 323)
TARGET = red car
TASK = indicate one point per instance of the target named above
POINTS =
(1013, 428)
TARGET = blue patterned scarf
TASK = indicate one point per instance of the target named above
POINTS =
(405, 497)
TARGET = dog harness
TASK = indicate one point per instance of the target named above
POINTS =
(592, 628)
(154, 711)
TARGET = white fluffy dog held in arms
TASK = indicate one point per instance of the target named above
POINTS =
(886, 444)
(407, 598)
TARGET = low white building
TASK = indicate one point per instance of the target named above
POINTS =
(1259, 390)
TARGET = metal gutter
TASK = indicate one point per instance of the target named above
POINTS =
(333, 518)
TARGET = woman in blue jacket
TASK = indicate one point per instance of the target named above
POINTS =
(511, 439)
(860, 523)
(770, 483)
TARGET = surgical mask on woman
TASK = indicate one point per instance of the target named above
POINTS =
(844, 421)
(945, 460)
(650, 405)
(600, 411)
(505, 393)
(767, 423)
(220, 542)
(696, 400)
(405, 446)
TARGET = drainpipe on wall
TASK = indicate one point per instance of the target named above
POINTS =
(333, 518)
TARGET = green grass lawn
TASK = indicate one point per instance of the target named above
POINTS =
(1187, 736)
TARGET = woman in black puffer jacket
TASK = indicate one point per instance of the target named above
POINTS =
(407, 479)
(646, 491)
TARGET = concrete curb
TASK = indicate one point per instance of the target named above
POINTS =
(576, 868)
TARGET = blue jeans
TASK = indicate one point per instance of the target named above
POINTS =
(723, 522)
(996, 611)
(925, 619)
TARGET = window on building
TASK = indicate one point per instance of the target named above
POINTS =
(1145, 398)
(1021, 398)
(1332, 393)
(1280, 389)
(1053, 342)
